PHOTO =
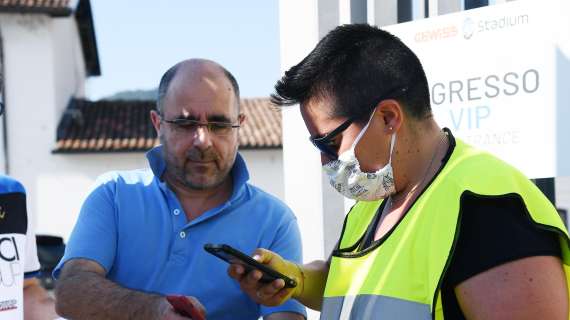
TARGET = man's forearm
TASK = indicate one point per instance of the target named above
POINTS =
(84, 294)
(315, 277)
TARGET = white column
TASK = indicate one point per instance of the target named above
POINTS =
(302, 171)
(433, 9)
(299, 33)
(449, 6)
(382, 12)
(319, 209)
(418, 9)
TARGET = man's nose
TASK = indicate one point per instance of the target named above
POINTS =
(202, 137)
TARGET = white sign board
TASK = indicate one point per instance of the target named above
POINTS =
(499, 78)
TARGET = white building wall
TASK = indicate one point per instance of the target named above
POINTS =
(30, 95)
(266, 170)
(41, 72)
(68, 62)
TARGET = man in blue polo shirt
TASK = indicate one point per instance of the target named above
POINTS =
(140, 234)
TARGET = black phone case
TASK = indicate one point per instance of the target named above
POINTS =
(231, 255)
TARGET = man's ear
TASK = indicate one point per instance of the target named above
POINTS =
(156, 121)
(391, 114)
(241, 118)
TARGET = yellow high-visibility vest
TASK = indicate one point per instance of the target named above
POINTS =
(400, 277)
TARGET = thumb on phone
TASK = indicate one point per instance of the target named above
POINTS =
(286, 267)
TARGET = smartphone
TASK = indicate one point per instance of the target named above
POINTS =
(231, 255)
(184, 307)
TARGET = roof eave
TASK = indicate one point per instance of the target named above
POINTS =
(52, 12)
(86, 28)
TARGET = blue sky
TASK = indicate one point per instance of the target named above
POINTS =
(139, 40)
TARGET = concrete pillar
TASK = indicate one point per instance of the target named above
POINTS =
(319, 209)
(299, 32)
(419, 9)
(302, 24)
(439, 7)
(382, 12)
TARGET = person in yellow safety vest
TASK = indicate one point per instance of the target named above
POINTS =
(440, 229)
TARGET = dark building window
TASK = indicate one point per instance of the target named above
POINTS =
(404, 10)
(472, 4)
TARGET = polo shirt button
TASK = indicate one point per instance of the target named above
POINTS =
(176, 212)
(182, 234)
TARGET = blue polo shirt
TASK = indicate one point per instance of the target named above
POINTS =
(133, 225)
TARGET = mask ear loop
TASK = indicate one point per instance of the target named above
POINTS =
(392, 143)
(363, 131)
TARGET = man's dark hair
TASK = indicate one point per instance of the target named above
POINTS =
(356, 66)
(171, 73)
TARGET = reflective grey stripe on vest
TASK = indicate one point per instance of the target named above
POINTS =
(367, 306)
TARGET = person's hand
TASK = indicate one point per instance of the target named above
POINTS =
(170, 312)
(270, 294)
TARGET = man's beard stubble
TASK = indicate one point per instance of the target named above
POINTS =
(180, 174)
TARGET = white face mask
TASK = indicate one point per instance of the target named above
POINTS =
(347, 178)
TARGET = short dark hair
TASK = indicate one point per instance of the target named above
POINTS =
(171, 73)
(356, 66)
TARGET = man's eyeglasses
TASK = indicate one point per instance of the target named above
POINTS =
(214, 127)
(326, 145)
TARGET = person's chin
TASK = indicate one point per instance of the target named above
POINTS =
(202, 177)
(201, 183)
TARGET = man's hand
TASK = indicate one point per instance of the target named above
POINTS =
(274, 293)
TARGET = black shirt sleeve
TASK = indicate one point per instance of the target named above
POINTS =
(492, 231)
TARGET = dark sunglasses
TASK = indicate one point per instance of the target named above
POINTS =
(325, 145)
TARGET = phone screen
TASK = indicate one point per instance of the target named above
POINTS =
(234, 256)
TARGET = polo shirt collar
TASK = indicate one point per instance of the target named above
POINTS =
(239, 171)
